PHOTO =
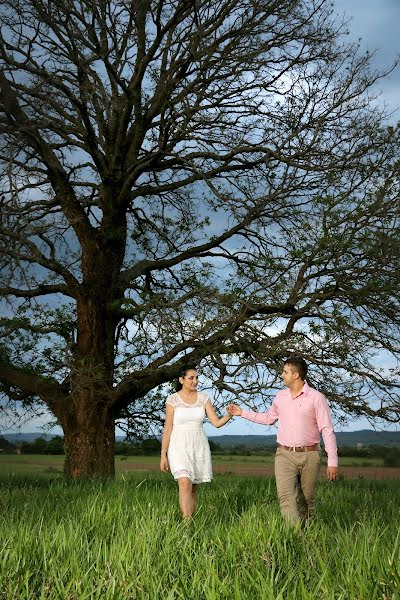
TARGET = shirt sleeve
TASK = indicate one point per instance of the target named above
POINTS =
(265, 418)
(325, 426)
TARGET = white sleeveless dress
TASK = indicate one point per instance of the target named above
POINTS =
(189, 451)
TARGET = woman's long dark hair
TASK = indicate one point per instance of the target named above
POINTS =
(182, 373)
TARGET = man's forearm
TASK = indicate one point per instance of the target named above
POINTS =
(262, 418)
(330, 447)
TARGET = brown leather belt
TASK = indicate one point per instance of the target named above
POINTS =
(300, 448)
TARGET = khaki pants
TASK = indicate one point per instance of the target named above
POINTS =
(296, 476)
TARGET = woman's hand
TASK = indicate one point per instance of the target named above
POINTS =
(212, 415)
(234, 410)
(164, 466)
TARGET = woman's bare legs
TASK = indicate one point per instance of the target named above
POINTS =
(187, 496)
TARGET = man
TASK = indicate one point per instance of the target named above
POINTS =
(302, 412)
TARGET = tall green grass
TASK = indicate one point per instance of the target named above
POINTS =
(125, 539)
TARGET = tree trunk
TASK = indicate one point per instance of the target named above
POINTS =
(88, 422)
(89, 447)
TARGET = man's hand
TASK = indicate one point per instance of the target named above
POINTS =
(234, 410)
(332, 473)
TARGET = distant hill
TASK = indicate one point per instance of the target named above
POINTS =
(365, 437)
(368, 437)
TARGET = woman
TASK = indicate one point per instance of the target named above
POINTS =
(184, 439)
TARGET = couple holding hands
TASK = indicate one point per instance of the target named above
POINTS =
(302, 413)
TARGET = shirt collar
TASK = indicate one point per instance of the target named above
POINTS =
(304, 390)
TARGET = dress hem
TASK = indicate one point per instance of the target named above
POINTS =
(195, 481)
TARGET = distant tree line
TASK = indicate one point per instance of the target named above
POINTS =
(55, 445)
(390, 454)
(40, 445)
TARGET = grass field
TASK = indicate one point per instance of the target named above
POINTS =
(125, 540)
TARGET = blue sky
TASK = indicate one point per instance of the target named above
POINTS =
(376, 25)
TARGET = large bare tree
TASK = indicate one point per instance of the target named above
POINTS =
(190, 181)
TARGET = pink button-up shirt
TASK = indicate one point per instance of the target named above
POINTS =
(300, 420)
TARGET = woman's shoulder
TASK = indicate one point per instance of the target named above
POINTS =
(202, 397)
(172, 399)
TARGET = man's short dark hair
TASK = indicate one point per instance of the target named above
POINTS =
(299, 364)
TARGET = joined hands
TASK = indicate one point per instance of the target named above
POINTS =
(234, 410)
